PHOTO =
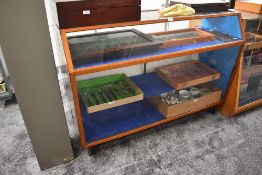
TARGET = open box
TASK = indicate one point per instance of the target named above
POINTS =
(86, 86)
(182, 37)
(187, 74)
(254, 41)
(110, 45)
(207, 98)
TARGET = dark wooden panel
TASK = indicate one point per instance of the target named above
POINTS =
(95, 4)
(70, 14)
(204, 7)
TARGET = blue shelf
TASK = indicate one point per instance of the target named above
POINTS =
(117, 120)
(103, 124)
(151, 84)
(159, 52)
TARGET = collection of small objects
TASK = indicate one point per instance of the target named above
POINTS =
(175, 36)
(108, 93)
(180, 96)
(102, 44)
(222, 37)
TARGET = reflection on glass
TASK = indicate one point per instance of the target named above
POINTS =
(251, 82)
(107, 46)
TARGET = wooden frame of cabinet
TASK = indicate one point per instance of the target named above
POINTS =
(87, 70)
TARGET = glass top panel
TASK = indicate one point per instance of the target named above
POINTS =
(109, 45)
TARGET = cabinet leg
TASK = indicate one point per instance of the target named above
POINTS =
(92, 151)
(212, 111)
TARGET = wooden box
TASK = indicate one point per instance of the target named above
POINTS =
(204, 6)
(249, 6)
(109, 46)
(187, 74)
(182, 37)
(86, 85)
(95, 12)
(206, 99)
(256, 41)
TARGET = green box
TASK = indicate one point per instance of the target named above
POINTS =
(106, 92)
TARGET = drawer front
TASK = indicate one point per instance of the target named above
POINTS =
(95, 4)
(88, 17)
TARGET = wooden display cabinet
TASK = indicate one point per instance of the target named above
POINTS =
(254, 6)
(220, 49)
(246, 92)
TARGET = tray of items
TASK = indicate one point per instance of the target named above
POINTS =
(182, 37)
(177, 102)
(108, 46)
(253, 41)
(108, 92)
(187, 74)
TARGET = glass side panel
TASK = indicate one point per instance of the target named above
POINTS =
(251, 82)
(110, 45)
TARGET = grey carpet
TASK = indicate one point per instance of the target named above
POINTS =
(199, 144)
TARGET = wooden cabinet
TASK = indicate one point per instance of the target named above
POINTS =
(95, 12)
(254, 6)
(220, 54)
(246, 90)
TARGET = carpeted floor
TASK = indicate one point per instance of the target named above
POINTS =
(199, 144)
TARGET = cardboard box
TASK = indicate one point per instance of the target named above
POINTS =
(85, 85)
(177, 109)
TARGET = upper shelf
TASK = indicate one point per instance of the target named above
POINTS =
(104, 47)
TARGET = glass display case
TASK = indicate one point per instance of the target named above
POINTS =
(128, 77)
(247, 90)
(251, 79)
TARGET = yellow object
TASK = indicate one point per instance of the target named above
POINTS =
(177, 10)
(166, 10)
(2, 87)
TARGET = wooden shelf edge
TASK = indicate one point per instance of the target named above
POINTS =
(137, 61)
(249, 106)
(67, 52)
(89, 145)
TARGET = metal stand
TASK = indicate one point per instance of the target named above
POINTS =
(9, 93)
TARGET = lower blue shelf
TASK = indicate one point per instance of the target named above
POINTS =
(117, 120)
(151, 84)
(103, 124)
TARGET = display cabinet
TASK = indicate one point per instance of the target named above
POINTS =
(131, 76)
(6, 88)
(254, 6)
(246, 92)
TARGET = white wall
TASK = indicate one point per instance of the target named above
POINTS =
(152, 4)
